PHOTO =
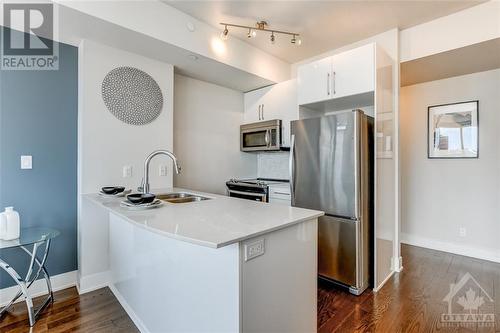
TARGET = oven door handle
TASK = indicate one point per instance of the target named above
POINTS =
(260, 195)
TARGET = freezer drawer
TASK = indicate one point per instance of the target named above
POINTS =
(337, 249)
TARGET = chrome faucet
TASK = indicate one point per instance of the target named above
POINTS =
(145, 181)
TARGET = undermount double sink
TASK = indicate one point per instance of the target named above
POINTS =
(181, 197)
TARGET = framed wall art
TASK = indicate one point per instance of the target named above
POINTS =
(453, 130)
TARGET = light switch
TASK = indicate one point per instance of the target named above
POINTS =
(127, 171)
(26, 162)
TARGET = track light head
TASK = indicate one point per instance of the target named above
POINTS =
(295, 41)
(225, 34)
(251, 33)
(273, 39)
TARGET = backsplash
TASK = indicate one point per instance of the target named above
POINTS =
(273, 165)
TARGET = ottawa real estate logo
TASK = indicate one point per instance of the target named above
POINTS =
(469, 305)
(27, 36)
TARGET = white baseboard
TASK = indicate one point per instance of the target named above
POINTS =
(128, 309)
(39, 288)
(464, 250)
(376, 289)
(93, 282)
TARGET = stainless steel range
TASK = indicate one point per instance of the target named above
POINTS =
(256, 189)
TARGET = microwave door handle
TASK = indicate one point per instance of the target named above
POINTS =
(268, 142)
(292, 169)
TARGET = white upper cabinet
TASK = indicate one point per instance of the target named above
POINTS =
(278, 101)
(314, 81)
(354, 71)
(344, 74)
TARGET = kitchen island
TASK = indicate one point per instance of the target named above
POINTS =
(222, 264)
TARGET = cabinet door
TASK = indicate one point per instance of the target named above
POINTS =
(314, 81)
(354, 71)
(253, 101)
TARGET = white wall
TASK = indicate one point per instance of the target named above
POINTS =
(440, 196)
(470, 26)
(106, 144)
(207, 122)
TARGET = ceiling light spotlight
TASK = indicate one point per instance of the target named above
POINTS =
(225, 34)
(293, 40)
(273, 39)
(251, 33)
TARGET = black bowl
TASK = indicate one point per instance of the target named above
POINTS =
(112, 189)
(141, 198)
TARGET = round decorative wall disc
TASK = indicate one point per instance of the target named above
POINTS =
(132, 95)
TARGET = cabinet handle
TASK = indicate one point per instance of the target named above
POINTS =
(262, 111)
(328, 84)
(334, 76)
(259, 112)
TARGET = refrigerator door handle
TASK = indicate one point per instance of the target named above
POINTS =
(292, 169)
(357, 172)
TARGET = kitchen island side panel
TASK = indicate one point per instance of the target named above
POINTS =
(167, 285)
(279, 287)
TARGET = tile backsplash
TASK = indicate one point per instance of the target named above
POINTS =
(273, 165)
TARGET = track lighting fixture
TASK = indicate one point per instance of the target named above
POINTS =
(260, 26)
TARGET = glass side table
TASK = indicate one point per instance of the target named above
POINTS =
(35, 238)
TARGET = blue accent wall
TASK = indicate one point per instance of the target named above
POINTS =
(38, 117)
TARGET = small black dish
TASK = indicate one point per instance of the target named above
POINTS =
(113, 189)
(141, 198)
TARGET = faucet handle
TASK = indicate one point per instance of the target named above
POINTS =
(141, 187)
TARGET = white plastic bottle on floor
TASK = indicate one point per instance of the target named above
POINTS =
(3, 225)
(13, 224)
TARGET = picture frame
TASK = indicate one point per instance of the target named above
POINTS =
(453, 130)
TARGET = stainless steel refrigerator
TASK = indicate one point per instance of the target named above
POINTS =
(331, 169)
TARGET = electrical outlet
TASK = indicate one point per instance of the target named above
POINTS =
(127, 171)
(254, 249)
(162, 170)
(463, 232)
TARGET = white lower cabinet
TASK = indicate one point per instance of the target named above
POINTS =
(278, 101)
(280, 194)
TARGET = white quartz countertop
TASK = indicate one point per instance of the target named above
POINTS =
(213, 223)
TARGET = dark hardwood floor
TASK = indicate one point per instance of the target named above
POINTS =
(412, 301)
(97, 311)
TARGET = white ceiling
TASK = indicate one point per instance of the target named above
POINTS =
(323, 25)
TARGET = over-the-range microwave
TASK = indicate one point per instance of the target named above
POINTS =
(261, 136)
